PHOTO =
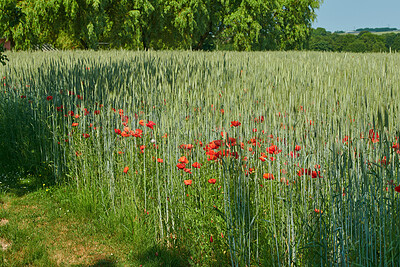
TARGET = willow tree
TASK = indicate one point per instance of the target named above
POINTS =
(167, 24)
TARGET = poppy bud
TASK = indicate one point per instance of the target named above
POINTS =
(126, 169)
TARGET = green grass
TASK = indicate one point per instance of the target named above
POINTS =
(43, 230)
(332, 202)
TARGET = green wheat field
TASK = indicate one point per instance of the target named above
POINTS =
(242, 159)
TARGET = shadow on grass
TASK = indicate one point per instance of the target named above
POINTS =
(24, 136)
(22, 182)
(104, 263)
(162, 256)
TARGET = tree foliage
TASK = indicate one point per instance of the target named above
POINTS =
(364, 41)
(164, 24)
(385, 29)
(10, 16)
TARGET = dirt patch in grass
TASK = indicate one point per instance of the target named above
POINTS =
(25, 208)
(73, 253)
(3, 222)
(4, 205)
(4, 244)
(71, 247)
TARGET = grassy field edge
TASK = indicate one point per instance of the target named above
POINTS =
(52, 226)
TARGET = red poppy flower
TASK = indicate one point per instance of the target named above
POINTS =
(396, 146)
(137, 133)
(397, 188)
(268, 176)
(181, 166)
(252, 141)
(373, 136)
(124, 119)
(235, 123)
(227, 153)
(212, 157)
(150, 124)
(273, 150)
(96, 112)
(188, 182)
(49, 98)
(217, 142)
(125, 134)
(314, 174)
(160, 160)
(187, 170)
(183, 160)
(86, 135)
(126, 169)
(187, 147)
(75, 124)
(211, 239)
(212, 181)
(212, 145)
(317, 211)
(231, 141)
(141, 122)
(297, 148)
(117, 131)
(196, 165)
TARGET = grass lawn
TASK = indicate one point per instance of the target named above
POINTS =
(38, 228)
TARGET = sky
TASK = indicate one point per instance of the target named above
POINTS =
(348, 15)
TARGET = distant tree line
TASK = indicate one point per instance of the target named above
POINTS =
(158, 24)
(364, 41)
(385, 29)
